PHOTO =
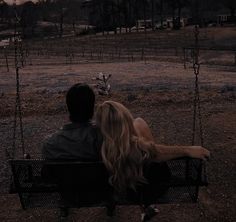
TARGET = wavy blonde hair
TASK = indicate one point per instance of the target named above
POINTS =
(121, 152)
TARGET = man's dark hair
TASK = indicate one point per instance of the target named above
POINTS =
(80, 101)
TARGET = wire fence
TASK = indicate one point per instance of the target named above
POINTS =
(129, 47)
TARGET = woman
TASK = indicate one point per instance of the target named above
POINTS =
(128, 142)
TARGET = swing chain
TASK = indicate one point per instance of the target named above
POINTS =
(196, 65)
(18, 109)
(197, 102)
(18, 112)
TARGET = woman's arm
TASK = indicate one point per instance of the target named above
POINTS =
(161, 153)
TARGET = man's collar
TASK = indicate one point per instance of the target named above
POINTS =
(70, 126)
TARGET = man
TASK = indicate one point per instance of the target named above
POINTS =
(80, 139)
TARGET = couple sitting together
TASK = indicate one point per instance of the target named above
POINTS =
(123, 143)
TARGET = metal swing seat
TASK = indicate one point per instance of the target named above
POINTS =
(42, 183)
(53, 184)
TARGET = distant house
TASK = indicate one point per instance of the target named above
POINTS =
(143, 23)
(4, 42)
(224, 18)
(170, 22)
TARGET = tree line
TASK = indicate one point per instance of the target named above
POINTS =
(108, 15)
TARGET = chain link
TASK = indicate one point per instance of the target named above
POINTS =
(18, 108)
(197, 102)
(197, 105)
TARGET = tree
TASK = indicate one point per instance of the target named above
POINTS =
(74, 11)
(231, 5)
(145, 14)
(125, 12)
(28, 18)
(136, 12)
(161, 12)
(152, 13)
(173, 5)
(178, 5)
(4, 10)
(61, 10)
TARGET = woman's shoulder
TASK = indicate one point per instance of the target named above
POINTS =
(143, 143)
(147, 148)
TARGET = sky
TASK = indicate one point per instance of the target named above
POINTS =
(18, 2)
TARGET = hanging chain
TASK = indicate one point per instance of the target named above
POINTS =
(18, 109)
(197, 102)
(197, 105)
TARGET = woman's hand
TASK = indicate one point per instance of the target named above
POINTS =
(198, 152)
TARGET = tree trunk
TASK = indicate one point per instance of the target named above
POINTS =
(114, 24)
(179, 16)
(136, 14)
(152, 15)
(73, 27)
(144, 15)
(129, 15)
(173, 17)
(161, 13)
(61, 23)
(196, 16)
(119, 16)
(232, 11)
(101, 17)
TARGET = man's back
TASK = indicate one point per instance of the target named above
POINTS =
(74, 141)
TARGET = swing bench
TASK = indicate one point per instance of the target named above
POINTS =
(75, 184)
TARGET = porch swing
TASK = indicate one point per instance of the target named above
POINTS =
(85, 184)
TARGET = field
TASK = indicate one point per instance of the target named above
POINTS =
(149, 77)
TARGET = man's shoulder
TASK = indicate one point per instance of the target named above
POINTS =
(94, 127)
(96, 131)
(52, 138)
(72, 131)
(73, 140)
(91, 129)
(50, 145)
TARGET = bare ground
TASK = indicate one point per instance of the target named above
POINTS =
(160, 92)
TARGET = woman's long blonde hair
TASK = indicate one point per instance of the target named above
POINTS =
(121, 152)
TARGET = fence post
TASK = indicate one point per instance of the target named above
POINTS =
(184, 58)
(6, 58)
(132, 56)
(235, 58)
(83, 52)
(142, 54)
(176, 51)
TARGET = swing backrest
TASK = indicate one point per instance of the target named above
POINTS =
(41, 183)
